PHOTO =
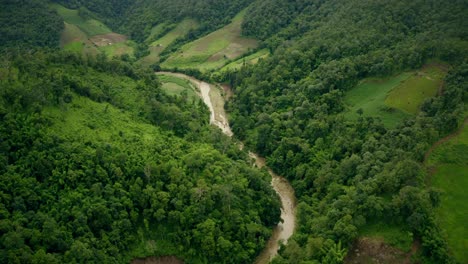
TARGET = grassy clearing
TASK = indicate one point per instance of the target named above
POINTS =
(177, 86)
(157, 46)
(396, 98)
(99, 122)
(118, 49)
(155, 31)
(215, 49)
(370, 96)
(392, 235)
(91, 27)
(75, 40)
(248, 60)
(450, 161)
(410, 94)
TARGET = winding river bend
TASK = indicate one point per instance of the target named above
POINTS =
(213, 98)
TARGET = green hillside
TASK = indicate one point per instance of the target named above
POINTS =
(355, 110)
(157, 46)
(213, 50)
(448, 161)
(95, 166)
(78, 18)
(396, 98)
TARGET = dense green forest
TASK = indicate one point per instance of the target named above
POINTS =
(28, 24)
(70, 197)
(98, 164)
(348, 174)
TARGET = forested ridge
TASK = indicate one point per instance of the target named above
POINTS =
(99, 165)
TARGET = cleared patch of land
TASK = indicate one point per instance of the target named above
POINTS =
(395, 98)
(176, 86)
(392, 235)
(155, 31)
(89, 36)
(158, 46)
(214, 50)
(248, 60)
(449, 161)
(108, 39)
(90, 26)
(375, 251)
(119, 49)
(411, 93)
(75, 40)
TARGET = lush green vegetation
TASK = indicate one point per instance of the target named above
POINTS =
(246, 60)
(101, 161)
(82, 18)
(392, 234)
(28, 24)
(368, 99)
(449, 163)
(98, 165)
(410, 95)
(119, 49)
(177, 86)
(291, 107)
(393, 99)
(213, 50)
(157, 46)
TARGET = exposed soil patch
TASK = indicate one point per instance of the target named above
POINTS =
(158, 260)
(372, 251)
(108, 39)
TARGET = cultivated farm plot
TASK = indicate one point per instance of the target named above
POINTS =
(248, 60)
(179, 87)
(89, 36)
(449, 164)
(214, 50)
(158, 46)
(90, 27)
(396, 98)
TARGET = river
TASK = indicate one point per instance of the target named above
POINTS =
(213, 98)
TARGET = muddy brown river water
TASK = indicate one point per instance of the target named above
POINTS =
(212, 97)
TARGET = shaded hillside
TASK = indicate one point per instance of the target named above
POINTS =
(28, 24)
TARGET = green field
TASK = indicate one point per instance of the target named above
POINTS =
(75, 40)
(91, 27)
(410, 94)
(155, 31)
(450, 160)
(392, 235)
(214, 50)
(118, 49)
(395, 98)
(157, 46)
(248, 60)
(177, 86)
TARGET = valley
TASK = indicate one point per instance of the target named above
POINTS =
(209, 131)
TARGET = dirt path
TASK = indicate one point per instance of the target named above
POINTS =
(283, 231)
(443, 140)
